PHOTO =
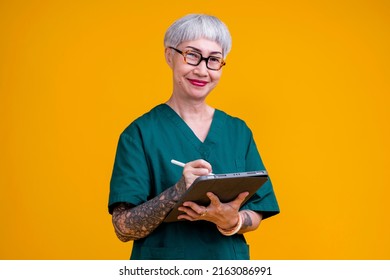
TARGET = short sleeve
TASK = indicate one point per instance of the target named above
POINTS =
(130, 180)
(264, 200)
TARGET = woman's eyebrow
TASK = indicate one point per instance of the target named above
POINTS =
(200, 51)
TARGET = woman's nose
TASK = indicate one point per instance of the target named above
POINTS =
(201, 69)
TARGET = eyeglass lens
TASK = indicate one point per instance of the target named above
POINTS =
(194, 58)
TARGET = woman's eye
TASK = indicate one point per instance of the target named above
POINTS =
(215, 59)
(193, 55)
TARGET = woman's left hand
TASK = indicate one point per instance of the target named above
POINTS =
(224, 215)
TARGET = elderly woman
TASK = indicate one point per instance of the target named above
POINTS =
(145, 185)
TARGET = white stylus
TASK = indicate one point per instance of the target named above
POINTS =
(178, 163)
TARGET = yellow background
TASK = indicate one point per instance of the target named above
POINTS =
(311, 78)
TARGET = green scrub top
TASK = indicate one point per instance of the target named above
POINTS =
(142, 170)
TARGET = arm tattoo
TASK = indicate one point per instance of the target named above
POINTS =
(133, 223)
(247, 220)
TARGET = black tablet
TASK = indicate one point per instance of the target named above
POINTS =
(226, 186)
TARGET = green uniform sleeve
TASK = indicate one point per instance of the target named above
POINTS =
(264, 200)
(130, 181)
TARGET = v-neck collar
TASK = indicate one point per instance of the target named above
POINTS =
(212, 136)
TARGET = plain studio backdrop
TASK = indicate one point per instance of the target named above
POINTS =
(311, 78)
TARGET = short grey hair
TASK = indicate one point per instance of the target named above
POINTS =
(195, 26)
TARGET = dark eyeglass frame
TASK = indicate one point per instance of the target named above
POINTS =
(184, 54)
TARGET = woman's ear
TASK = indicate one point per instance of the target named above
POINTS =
(169, 56)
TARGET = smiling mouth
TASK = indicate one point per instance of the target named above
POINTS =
(198, 83)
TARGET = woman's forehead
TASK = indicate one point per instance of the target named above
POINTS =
(202, 45)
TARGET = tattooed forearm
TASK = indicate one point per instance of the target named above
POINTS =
(246, 220)
(138, 222)
(250, 220)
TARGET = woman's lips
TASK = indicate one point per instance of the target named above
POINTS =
(198, 83)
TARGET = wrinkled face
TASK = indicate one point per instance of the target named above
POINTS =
(194, 82)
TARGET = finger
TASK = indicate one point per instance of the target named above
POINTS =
(188, 211)
(200, 164)
(186, 217)
(190, 218)
(214, 200)
(199, 210)
(190, 172)
(200, 171)
(191, 215)
(239, 199)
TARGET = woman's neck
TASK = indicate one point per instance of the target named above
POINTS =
(198, 116)
(192, 111)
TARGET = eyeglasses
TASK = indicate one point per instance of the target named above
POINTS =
(194, 58)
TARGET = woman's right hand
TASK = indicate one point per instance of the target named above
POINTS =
(194, 169)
